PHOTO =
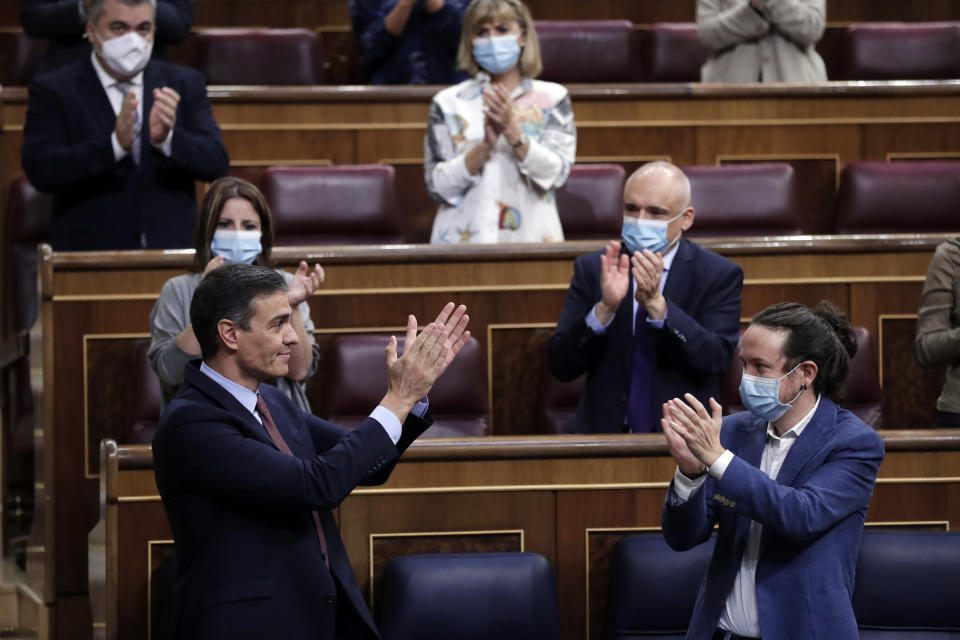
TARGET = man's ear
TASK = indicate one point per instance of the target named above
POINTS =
(687, 220)
(809, 369)
(227, 330)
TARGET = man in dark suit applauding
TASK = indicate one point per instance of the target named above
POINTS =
(650, 318)
(119, 140)
(250, 483)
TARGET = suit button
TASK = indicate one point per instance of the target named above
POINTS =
(717, 497)
(331, 600)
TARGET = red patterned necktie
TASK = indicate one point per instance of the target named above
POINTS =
(278, 440)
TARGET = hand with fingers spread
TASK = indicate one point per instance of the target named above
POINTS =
(699, 429)
(305, 282)
(688, 463)
(163, 114)
(647, 269)
(425, 357)
(614, 281)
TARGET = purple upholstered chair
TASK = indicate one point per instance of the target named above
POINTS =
(259, 56)
(900, 51)
(588, 51)
(347, 204)
(357, 379)
(591, 202)
(898, 197)
(752, 199)
(672, 52)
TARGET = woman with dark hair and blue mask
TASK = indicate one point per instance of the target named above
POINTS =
(787, 483)
(234, 225)
(500, 143)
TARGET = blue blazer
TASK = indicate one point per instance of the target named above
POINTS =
(812, 517)
(249, 563)
(102, 204)
(691, 350)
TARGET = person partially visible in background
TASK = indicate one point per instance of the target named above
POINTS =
(408, 41)
(762, 40)
(937, 340)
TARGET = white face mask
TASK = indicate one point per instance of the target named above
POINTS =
(126, 55)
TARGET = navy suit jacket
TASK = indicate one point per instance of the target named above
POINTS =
(102, 204)
(812, 517)
(695, 344)
(249, 563)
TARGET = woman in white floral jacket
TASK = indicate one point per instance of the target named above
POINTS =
(499, 144)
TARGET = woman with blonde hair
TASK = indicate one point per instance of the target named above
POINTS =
(500, 143)
(234, 225)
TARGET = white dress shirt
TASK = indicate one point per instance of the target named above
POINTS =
(115, 95)
(740, 613)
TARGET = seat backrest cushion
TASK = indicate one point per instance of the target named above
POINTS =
(588, 51)
(901, 51)
(898, 197)
(469, 596)
(590, 203)
(672, 52)
(258, 56)
(745, 199)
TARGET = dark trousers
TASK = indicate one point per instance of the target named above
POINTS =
(723, 634)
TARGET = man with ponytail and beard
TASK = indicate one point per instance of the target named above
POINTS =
(787, 483)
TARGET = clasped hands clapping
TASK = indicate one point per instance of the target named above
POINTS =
(163, 117)
(615, 270)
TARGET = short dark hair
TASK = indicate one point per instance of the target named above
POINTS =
(96, 7)
(228, 292)
(821, 334)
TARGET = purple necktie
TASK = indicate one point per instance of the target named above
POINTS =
(639, 411)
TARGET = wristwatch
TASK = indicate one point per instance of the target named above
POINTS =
(522, 140)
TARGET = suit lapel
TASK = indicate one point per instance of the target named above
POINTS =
(222, 397)
(94, 98)
(678, 277)
(809, 442)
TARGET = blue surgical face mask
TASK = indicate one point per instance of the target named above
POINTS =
(496, 54)
(762, 396)
(641, 234)
(236, 246)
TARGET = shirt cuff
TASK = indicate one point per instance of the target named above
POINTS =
(719, 466)
(684, 487)
(421, 407)
(594, 322)
(119, 153)
(658, 324)
(165, 147)
(389, 422)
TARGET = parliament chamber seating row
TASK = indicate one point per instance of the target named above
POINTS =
(905, 586)
(358, 204)
(594, 51)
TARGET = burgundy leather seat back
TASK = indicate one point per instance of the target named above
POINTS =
(730, 383)
(145, 398)
(27, 223)
(590, 203)
(557, 402)
(744, 200)
(672, 52)
(900, 51)
(259, 56)
(348, 204)
(864, 397)
(19, 57)
(588, 51)
(357, 379)
(898, 197)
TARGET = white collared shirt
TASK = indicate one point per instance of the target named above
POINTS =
(740, 613)
(115, 95)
